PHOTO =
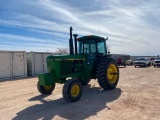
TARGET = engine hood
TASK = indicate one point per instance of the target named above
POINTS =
(66, 57)
(156, 60)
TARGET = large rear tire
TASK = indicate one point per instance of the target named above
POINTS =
(72, 90)
(45, 89)
(108, 73)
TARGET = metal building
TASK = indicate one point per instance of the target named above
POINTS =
(13, 64)
(36, 62)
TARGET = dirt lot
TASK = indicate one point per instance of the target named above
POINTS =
(137, 97)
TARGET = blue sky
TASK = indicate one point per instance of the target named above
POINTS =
(133, 27)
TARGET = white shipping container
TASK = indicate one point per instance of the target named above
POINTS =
(13, 64)
(36, 62)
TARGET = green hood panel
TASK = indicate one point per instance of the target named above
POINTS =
(65, 64)
(66, 57)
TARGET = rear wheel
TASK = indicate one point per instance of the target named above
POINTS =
(72, 90)
(108, 73)
(45, 89)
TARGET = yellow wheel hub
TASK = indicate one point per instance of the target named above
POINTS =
(112, 73)
(47, 87)
(75, 90)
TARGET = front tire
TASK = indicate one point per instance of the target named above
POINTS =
(45, 89)
(108, 73)
(72, 90)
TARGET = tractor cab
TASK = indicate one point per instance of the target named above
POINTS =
(92, 44)
(87, 44)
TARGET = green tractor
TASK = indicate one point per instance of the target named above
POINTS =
(89, 61)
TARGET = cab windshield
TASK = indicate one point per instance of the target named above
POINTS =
(141, 59)
(157, 59)
(92, 46)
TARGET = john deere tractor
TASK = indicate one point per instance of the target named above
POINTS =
(89, 60)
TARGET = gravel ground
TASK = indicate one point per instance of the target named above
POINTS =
(137, 97)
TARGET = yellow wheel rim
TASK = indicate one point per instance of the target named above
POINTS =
(112, 73)
(75, 90)
(47, 87)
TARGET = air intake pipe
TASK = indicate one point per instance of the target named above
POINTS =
(75, 43)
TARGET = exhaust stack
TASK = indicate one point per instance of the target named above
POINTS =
(71, 43)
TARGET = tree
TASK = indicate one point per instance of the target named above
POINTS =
(62, 50)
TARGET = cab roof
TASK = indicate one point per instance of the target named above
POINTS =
(88, 37)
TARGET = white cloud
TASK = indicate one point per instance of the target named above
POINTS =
(132, 27)
(29, 43)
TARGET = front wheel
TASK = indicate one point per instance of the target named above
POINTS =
(72, 90)
(45, 89)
